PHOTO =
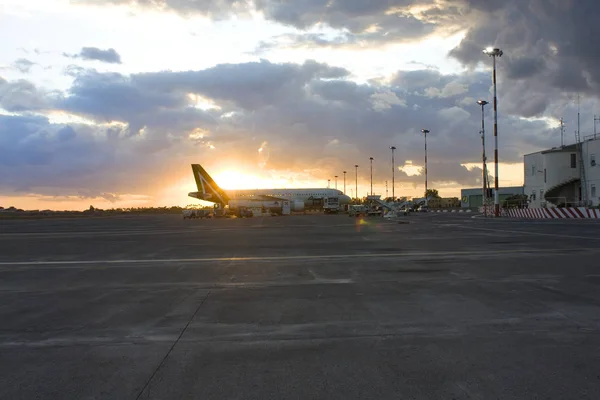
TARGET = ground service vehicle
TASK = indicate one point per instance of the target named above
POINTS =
(331, 205)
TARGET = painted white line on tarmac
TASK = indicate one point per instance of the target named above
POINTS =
(531, 233)
(286, 258)
(149, 231)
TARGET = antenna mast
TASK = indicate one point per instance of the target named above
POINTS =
(562, 133)
(578, 115)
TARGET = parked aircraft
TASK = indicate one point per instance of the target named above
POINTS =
(299, 198)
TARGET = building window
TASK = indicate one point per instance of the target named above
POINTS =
(533, 170)
(541, 194)
(593, 190)
(544, 175)
(573, 160)
(533, 196)
(593, 160)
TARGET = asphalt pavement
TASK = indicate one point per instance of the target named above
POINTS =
(448, 306)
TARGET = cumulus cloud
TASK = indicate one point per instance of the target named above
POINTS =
(385, 99)
(305, 40)
(109, 56)
(379, 21)
(20, 95)
(142, 129)
(545, 52)
(23, 65)
(138, 130)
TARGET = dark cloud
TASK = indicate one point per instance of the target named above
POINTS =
(109, 56)
(551, 44)
(37, 156)
(366, 21)
(444, 173)
(249, 86)
(391, 29)
(20, 95)
(309, 115)
(112, 97)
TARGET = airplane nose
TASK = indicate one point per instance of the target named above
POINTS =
(345, 199)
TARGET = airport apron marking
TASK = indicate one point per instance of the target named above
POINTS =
(283, 258)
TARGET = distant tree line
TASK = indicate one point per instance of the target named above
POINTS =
(138, 210)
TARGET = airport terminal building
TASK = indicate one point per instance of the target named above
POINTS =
(566, 175)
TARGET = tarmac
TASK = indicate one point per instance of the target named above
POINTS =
(448, 306)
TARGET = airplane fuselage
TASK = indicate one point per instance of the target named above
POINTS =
(304, 195)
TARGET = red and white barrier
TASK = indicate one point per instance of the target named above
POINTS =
(551, 213)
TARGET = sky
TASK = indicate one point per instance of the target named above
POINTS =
(107, 103)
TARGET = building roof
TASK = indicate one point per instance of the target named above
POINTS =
(500, 188)
(570, 147)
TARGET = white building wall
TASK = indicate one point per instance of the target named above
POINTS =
(591, 150)
(534, 179)
(560, 169)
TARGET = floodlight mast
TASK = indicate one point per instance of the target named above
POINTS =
(495, 53)
(393, 173)
(483, 103)
(425, 132)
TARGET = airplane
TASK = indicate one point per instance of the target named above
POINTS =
(299, 198)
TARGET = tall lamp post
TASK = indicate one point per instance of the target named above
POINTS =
(425, 132)
(483, 103)
(371, 159)
(328, 180)
(393, 172)
(345, 181)
(386, 190)
(356, 180)
(336, 182)
(495, 53)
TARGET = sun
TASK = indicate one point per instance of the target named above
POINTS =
(236, 180)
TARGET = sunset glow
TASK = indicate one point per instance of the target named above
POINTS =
(236, 180)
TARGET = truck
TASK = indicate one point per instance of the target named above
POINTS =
(331, 205)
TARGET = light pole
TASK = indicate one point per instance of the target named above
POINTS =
(328, 180)
(494, 53)
(483, 103)
(425, 132)
(393, 172)
(386, 190)
(336, 182)
(345, 182)
(371, 159)
(356, 181)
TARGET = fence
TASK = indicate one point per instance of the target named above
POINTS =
(550, 213)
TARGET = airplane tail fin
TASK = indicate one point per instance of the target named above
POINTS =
(207, 188)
